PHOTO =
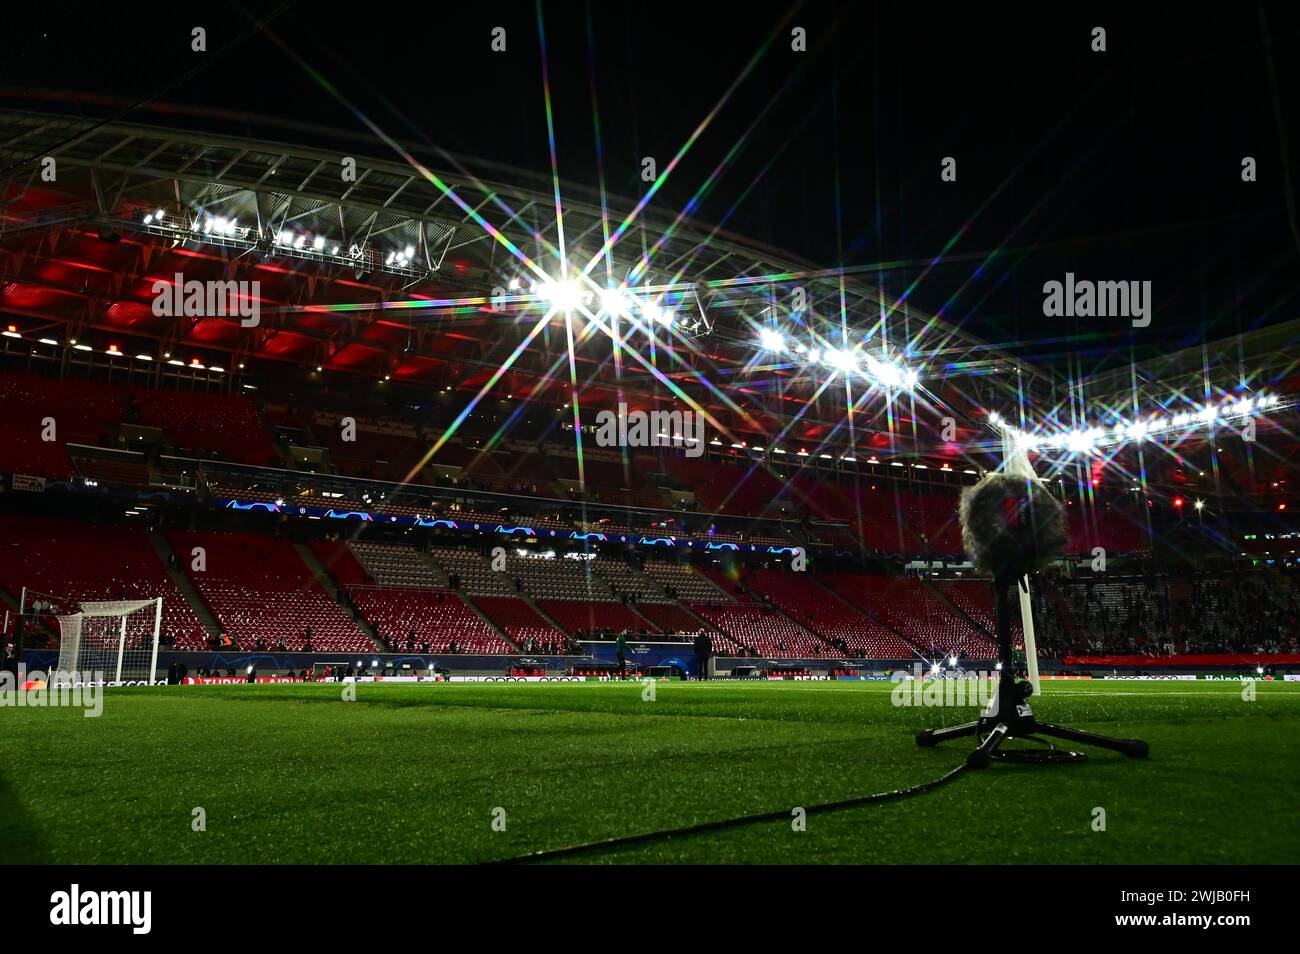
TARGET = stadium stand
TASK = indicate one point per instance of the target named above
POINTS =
(207, 424)
(585, 616)
(78, 561)
(81, 412)
(261, 592)
(904, 605)
(689, 585)
(670, 618)
(393, 564)
(848, 630)
(475, 574)
(407, 619)
(762, 630)
(521, 623)
(339, 562)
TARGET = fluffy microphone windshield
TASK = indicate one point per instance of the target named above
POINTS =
(1011, 525)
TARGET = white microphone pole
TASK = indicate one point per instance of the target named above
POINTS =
(1016, 463)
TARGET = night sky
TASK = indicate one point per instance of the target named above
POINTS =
(1122, 165)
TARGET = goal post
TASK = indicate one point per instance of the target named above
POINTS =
(115, 639)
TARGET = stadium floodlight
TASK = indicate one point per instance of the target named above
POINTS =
(771, 340)
(887, 374)
(1024, 440)
(285, 237)
(1079, 442)
(952, 660)
(562, 296)
(318, 242)
(657, 314)
(841, 359)
(892, 375)
(614, 302)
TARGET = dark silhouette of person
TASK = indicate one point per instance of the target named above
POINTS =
(620, 648)
(703, 653)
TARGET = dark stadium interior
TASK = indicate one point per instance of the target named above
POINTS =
(793, 432)
(353, 458)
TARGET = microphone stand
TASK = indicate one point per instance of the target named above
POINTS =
(1010, 716)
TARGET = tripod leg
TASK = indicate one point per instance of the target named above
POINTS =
(1133, 748)
(982, 756)
(927, 738)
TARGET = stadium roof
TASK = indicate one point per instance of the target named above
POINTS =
(426, 272)
(402, 287)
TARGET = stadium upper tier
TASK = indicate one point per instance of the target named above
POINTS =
(129, 437)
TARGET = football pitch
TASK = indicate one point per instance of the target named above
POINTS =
(473, 772)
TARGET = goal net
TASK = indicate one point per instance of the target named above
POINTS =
(113, 640)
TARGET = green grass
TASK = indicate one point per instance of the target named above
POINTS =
(412, 773)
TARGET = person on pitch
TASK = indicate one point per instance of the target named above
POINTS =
(620, 647)
(703, 653)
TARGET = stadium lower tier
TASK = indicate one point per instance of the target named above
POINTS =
(254, 591)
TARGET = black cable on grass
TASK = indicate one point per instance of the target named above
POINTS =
(547, 854)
